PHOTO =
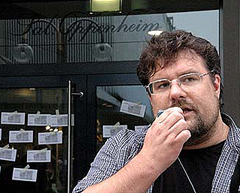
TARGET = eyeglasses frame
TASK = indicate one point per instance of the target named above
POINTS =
(200, 75)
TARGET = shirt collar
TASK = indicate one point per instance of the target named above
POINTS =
(233, 139)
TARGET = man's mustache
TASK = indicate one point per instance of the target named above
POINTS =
(183, 104)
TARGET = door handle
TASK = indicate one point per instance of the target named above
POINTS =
(80, 94)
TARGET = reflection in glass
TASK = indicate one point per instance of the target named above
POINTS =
(78, 37)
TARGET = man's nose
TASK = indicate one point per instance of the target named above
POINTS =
(176, 91)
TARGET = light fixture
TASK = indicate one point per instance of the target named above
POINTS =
(22, 53)
(106, 5)
(155, 32)
(55, 130)
(48, 127)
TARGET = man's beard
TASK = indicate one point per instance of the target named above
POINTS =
(201, 130)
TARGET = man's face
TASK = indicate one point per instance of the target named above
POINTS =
(200, 103)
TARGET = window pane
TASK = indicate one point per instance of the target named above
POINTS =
(201, 23)
(77, 38)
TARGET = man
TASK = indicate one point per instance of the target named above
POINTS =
(191, 146)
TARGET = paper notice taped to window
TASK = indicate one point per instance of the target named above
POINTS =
(111, 130)
(140, 128)
(49, 138)
(20, 136)
(39, 156)
(59, 120)
(22, 174)
(8, 154)
(39, 119)
(133, 108)
(13, 118)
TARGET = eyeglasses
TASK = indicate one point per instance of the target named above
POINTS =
(185, 81)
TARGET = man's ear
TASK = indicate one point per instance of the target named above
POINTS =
(217, 84)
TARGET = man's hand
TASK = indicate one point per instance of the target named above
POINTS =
(162, 145)
(164, 140)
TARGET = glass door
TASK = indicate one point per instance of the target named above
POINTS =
(119, 107)
(36, 141)
(118, 101)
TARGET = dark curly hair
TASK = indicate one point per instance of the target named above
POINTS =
(166, 47)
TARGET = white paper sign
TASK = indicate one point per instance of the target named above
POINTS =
(50, 138)
(8, 154)
(39, 156)
(39, 119)
(59, 120)
(22, 174)
(20, 136)
(132, 108)
(0, 134)
(12, 118)
(111, 130)
(140, 127)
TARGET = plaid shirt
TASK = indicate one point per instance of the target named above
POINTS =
(120, 149)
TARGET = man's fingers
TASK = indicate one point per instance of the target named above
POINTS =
(183, 136)
(163, 114)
